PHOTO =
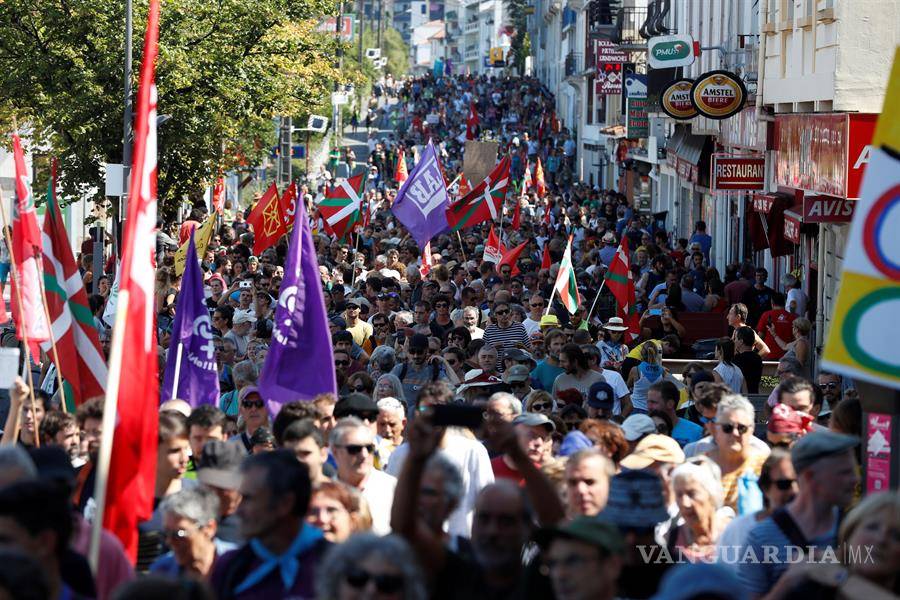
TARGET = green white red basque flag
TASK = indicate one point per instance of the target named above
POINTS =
(80, 358)
(483, 203)
(566, 286)
(620, 282)
(342, 207)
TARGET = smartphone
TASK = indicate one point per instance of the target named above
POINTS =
(457, 415)
(245, 285)
(656, 312)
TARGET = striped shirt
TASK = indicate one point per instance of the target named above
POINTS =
(513, 336)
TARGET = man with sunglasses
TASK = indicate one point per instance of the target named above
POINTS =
(505, 334)
(536, 306)
(418, 369)
(831, 385)
(353, 448)
(358, 328)
(252, 409)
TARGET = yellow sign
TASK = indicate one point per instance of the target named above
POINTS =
(202, 236)
(865, 327)
(496, 56)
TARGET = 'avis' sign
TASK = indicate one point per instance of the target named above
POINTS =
(826, 209)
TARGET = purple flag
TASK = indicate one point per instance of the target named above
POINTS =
(422, 202)
(300, 363)
(191, 372)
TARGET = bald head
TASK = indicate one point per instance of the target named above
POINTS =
(501, 526)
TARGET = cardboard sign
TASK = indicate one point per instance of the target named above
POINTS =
(675, 100)
(738, 172)
(478, 160)
(718, 94)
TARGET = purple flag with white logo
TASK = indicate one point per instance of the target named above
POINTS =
(191, 372)
(422, 202)
(300, 363)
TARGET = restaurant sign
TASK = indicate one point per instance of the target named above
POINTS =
(718, 94)
(738, 172)
(675, 100)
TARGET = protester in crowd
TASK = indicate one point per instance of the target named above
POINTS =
(643, 375)
(746, 359)
(587, 476)
(578, 375)
(338, 510)
(368, 566)
(725, 370)
(663, 396)
(218, 469)
(306, 441)
(799, 347)
(580, 545)
(737, 317)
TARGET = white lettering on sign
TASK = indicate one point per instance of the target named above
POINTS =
(741, 170)
(792, 230)
(863, 158)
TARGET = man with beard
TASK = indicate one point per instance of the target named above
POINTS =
(89, 417)
(59, 428)
(547, 370)
(418, 370)
(578, 374)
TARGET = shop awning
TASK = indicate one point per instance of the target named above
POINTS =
(614, 131)
(674, 143)
(793, 217)
(768, 228)
(691, 148)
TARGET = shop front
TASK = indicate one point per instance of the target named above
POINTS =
(688, 156)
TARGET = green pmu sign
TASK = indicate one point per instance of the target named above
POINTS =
(670, 51)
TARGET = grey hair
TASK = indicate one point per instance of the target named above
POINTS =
(343, 428)
(705, 472)
(15, 457)
(734, 402)
(470, 310)
(405, 314)
(396, 385)
(245, 371)
(384, 357)
(391, 404)
(454, 487)
(198, 504)
(515, 405)
(390, 548)
(793, 365)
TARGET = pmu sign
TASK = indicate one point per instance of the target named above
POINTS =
(667, 51)
(738, 172)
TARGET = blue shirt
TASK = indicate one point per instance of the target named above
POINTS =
(545, 374)
(166, 564)
(705, 241)
(686, 432)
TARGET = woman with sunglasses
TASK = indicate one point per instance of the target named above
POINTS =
(734, 454)
(539, 401)
(778, 483)
(368, 566)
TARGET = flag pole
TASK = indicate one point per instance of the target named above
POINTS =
(178, 355)
(594, 305)
(17, 277)
(110, 405)
(59, 381)
(461, 248)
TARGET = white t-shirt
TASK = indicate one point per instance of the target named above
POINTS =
(614, 378)
(797, 295)
(473, 462)
(531, 326)
(704, 445)
(378, 490)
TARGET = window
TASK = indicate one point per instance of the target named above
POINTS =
(423, 9)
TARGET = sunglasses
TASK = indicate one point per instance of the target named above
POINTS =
(784, 484)
(384, 584)
(728, 428)
(342, 363)
(537, 305)
(540, 406)
(501, 312)
(252, 403)
(416, 351)
(451, 361)
(355, 449)
(830, 385)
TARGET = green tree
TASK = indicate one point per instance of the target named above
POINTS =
(520, 46)
(226, 68)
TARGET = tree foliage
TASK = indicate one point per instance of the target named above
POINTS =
(520, 46)
(225, 69)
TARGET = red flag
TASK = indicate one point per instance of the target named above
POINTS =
(493, 249)
(427, 261)
(266, 220)
(621, 283)
(547, 209)
(472, 123)
(511, 257)
(517, 215)
(343, 205)
(545, 261)
(401, 173)
(132, 401)
(28, 314)
(81, 361)
(540, 186)
(464, 187)
(483, 203)
(218, 197)
(288, 205)
(527, 181)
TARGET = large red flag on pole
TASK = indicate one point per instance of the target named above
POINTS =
(125, 477)
(27, 303)
(472, 123)
(621, 283)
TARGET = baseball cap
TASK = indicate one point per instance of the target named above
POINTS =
(601, 395)
(516, 373)
(601, 534)
(246, 391)
(817, 445)
(339, 322)
(220, 464)
(636, 426)
(654, 448)
(535, 420)
(354, 302)
(262, 436)
(243, 316)
(356, 405)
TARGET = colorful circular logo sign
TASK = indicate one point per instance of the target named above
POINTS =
(675, 100)
(718, 94)
(879, 238)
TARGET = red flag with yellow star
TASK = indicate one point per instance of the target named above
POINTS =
(266, 220)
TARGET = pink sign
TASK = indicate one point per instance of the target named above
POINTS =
(878, 452)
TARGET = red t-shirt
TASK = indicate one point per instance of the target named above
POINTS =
(504, 471)
(782, 320)
(186, 229)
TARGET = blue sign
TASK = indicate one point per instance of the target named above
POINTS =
(298, 151)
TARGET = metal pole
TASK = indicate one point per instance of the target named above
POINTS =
(359, 44)
(380, 11)
(127, 132)
(335, 110)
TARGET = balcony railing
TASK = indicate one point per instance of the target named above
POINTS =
(574, 64)
(629, 26)
(471, 27)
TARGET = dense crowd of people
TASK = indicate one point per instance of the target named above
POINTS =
(484, 441)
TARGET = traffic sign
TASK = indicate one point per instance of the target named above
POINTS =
(338, 98)
(865, 327)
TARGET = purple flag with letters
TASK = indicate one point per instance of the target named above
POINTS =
(191, 372)
(300, 363)
(422, 202)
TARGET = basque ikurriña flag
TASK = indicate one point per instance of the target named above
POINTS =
(300, 363)
(191, 371)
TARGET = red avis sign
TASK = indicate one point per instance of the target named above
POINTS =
(738, 172)
(825, 209)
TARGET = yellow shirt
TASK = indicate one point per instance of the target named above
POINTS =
(361, 332)
(753, 463)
